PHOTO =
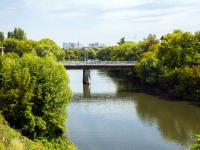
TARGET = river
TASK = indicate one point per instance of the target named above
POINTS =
(114, 113)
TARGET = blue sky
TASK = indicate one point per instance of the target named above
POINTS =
(104, 21)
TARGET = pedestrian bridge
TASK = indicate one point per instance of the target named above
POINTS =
(88, 65)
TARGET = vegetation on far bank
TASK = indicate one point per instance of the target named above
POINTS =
(169, 64)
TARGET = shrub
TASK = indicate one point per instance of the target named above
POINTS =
(34, 94)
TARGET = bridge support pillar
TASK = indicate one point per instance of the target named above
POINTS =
(86, 90)
(86, 76)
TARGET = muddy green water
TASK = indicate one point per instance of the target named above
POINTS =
(114, 113)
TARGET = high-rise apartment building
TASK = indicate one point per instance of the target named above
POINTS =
(68, 45)
(72, 45)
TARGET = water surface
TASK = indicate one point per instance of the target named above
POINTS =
(114, 113)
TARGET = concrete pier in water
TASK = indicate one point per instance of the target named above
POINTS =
(86, 76)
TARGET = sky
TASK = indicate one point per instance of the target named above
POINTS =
(103, 21)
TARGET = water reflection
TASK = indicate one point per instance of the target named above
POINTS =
(114, 113)
(86, 90)
(177, 121)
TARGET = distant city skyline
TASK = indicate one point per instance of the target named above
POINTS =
(103, 21)
(68, 45)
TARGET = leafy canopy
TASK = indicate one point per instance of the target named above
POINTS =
(34, 94)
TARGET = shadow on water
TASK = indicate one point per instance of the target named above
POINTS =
(177, 120)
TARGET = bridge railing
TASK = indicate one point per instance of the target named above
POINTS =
(97, 62)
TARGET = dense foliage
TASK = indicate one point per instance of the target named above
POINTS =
(34, 93)
(1, 36)
(174, 65)
(18, 34)
(81, 54)
(17, 42)
(34, 90)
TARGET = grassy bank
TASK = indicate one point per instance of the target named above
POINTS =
(11, 139)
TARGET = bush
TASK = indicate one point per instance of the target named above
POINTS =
(196, 146)
(148, 69)
(34, 94)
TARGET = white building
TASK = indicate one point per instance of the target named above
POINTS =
(72, 45)
(96, 45)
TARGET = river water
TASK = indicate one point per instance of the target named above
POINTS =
(114, 113)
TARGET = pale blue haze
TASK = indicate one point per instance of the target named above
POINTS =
(98, 20)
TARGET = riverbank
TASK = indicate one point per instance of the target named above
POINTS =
(12, 139)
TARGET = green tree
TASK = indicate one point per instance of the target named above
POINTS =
(69, 55)
(105, 53)
(18, 34)
(43, 50)
(178, 50)
(126, 52)
(149, 68)
(91, 53)
(19, 47)
(149, 41)
(47, 47)
(34, 94)
(10, 34)
(1, 36)
(121, 41)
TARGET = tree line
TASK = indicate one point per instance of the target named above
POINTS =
(169, 64)
(18, 43)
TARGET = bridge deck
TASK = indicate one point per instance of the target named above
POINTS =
(116, 65)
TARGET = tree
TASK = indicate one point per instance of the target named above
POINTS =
(69, 55)
(126, 52)
(149, 68)
(43, 50)
(18, 46)
(1, 36)
(121, 41)
(34, 94)
(178, 50)
(149, 41)
(18, 34)
(47, 47)
(10, 34)
(91, 53)
(105, 53)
